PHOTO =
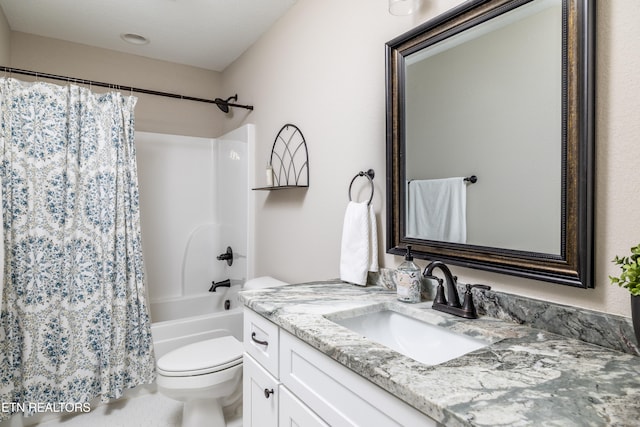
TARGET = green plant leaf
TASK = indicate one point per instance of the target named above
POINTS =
(629, 277)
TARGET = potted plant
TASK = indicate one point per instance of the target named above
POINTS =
(630, 279)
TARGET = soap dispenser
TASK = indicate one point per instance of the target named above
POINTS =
(407, 278)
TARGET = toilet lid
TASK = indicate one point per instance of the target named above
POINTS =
(202, 357)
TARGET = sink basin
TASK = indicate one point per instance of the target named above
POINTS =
(421, 341)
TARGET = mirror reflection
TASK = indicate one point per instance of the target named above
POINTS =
(487, 102)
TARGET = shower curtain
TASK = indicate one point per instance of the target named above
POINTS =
(74, 321)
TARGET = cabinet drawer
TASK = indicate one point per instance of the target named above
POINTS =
(260, 394)
(261, 340)
(338, 395)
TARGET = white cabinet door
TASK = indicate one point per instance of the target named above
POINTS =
(260, 394)
(338, 395)
(294, 413)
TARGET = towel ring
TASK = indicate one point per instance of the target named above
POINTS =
(370, 174)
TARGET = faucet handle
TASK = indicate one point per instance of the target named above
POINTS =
(468, 307)
(440, 298)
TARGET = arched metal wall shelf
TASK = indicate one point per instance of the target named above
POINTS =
(289, 160)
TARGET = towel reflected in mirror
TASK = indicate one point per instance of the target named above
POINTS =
(437, 209)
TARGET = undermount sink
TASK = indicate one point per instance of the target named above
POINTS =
(424, 342)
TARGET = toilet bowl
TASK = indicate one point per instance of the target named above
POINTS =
(206, 375)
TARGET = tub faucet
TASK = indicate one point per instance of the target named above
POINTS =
(216, 285)
(226, 256)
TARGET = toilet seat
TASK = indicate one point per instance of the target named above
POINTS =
(201, 358)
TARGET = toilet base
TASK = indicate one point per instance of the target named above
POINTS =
(203, 412)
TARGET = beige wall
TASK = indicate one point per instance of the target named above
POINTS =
(153, 113)
(5, 41)
(322, 67)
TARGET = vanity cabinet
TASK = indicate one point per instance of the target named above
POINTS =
(309, 388)
(260, 384)
(268, 403)
(259, 395)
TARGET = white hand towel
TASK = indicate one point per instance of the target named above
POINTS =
(359, 250)
(437, 210)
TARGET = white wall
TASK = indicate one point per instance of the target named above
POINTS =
(322, 68)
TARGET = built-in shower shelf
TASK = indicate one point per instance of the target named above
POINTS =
(289, 160)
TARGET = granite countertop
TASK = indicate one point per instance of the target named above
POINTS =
(526, 376)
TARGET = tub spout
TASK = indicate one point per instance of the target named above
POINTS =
(223, 284)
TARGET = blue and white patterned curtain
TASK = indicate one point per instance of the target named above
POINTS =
(74, 320)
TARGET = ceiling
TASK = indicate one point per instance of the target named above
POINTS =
(208, 34)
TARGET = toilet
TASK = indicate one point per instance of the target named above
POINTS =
(206, 375)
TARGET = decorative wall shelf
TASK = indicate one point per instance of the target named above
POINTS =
(279, 187)
(289, 160)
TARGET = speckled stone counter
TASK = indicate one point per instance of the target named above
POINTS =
(526, 377)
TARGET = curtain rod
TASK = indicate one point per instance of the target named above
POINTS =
(36, 74)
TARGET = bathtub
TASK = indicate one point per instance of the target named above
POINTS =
(184, 320)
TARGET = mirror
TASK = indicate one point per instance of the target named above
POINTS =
(490, 139)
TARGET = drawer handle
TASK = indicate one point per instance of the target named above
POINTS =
(268, 392)
(257, 341)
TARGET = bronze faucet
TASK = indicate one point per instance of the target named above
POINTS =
(451, 302)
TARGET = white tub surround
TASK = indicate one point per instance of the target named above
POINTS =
(170, 335)
(526, 376)
(175, 308)
(194, 203)
(180, 321)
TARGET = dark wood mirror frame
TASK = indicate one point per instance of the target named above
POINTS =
(574, 265)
